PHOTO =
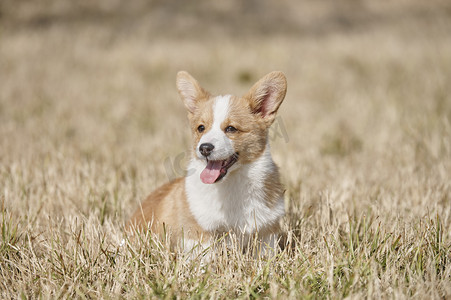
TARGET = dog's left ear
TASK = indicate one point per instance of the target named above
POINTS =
(267, 94)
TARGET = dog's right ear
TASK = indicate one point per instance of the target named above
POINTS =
(190, 91)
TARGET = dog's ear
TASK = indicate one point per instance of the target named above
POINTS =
(266, 95)
(190, 91)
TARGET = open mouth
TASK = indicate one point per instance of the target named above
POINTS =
(217, 169)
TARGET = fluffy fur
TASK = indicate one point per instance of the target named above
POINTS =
(244, 198)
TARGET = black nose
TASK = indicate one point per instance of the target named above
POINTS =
(206, 149)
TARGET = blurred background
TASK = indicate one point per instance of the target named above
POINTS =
(90, 117)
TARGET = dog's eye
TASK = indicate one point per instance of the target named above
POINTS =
(230, 129)
(201, 128)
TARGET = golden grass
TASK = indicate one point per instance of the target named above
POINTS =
(90, 123)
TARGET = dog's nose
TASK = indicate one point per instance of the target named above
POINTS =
(206, 149)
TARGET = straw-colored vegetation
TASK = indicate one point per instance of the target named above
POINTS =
(90, 123)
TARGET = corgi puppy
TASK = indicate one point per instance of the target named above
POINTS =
(233, 185)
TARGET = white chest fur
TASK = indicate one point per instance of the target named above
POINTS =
(238, 202)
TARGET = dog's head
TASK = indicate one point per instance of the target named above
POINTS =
(230, 131)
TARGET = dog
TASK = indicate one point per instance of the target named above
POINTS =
(235, 186)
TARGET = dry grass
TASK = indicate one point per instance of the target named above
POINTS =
(90, 123)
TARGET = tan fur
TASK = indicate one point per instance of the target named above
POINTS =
(273, 188)
(250, 139)
(202, 116)
(167, 209)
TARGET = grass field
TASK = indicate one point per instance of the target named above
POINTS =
(90, 123)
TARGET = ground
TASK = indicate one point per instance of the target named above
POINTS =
(90, 123)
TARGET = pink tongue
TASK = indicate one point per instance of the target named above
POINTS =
(211, 172)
